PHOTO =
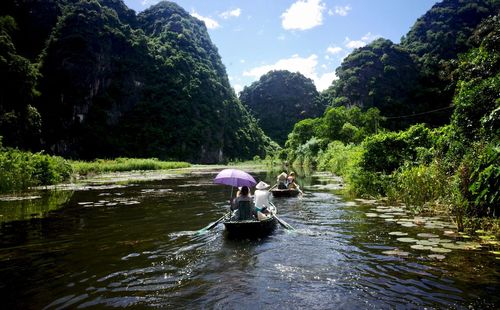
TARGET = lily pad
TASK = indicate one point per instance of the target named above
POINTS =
(440, 250)
(450, 233)
(436, 256)
(391, 220)
(492, 242)
(408, 224)
(461, 245)
(398, 233)
(427, 235)
(396, 252)
(386, 216)
(427, 243)
(495, 252)
(420, 247)
(480, 231)
(407, 240)
(439, 240)
(371, 214)
(490, 237)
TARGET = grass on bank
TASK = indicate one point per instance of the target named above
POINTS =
(123, 164)
(20, 170)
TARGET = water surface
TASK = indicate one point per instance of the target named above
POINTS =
(135, 245)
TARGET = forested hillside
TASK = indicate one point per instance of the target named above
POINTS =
(91, 78)
(414, 77)
(279, 99)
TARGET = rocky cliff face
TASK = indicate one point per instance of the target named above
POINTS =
(152, 85)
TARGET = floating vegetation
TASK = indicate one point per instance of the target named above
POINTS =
(486, 238)
(109, 203)
(459, 245)
(436, 256)
(427, 243)
(495, 252)
(406, 224)
(427, 235)
(18, 198)
(439, 240)
(366, 201)
(420, 247)
(450, 233)
(386, 216)
(371, 214)
(391, 220)
(398, 233)
(407, 240)
(440, 250)
(396, 252)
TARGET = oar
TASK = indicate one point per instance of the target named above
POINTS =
(272, 187)
(282, 223)
(213, 224)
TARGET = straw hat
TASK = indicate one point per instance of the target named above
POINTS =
(262, 185)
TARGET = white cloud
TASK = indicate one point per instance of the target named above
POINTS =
(355, 44)
(210, 23)
(306, 66)
(334, 49)
(242, 61)
(303, 15)
(237, 88)
(149, 2)
(281, 37)
(342, 10)
(367, 38)
(229, 14)
(325, 80)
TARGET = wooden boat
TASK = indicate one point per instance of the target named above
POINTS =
(285, 192)
(252, 229)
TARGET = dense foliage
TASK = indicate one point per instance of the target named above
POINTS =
(20, 170)
(279, 99)
(111, 83)
(412, 82)
(455, 166)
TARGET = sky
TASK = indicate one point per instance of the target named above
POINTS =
(307, 36)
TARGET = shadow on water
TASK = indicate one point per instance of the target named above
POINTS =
(137, 246)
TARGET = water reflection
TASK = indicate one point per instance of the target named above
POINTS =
(33, 205)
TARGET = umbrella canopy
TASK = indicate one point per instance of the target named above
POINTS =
(234, 177)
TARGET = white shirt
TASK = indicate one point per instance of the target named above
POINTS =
(261, 198)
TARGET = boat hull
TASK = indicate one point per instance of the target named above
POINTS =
(250, 229)
(285, 192)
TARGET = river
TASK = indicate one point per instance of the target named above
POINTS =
(134, 244)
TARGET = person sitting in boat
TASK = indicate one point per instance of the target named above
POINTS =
(282, 180)
(261, 199)
(261, 195)
(291, 184)
(244, 206)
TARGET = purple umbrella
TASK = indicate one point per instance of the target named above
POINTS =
(234, 177)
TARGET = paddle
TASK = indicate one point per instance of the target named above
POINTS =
(272, 187)
(213, 224)
(282, 223)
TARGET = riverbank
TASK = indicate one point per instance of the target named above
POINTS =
(20, 170)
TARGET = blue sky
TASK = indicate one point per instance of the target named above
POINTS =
(307, 36)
